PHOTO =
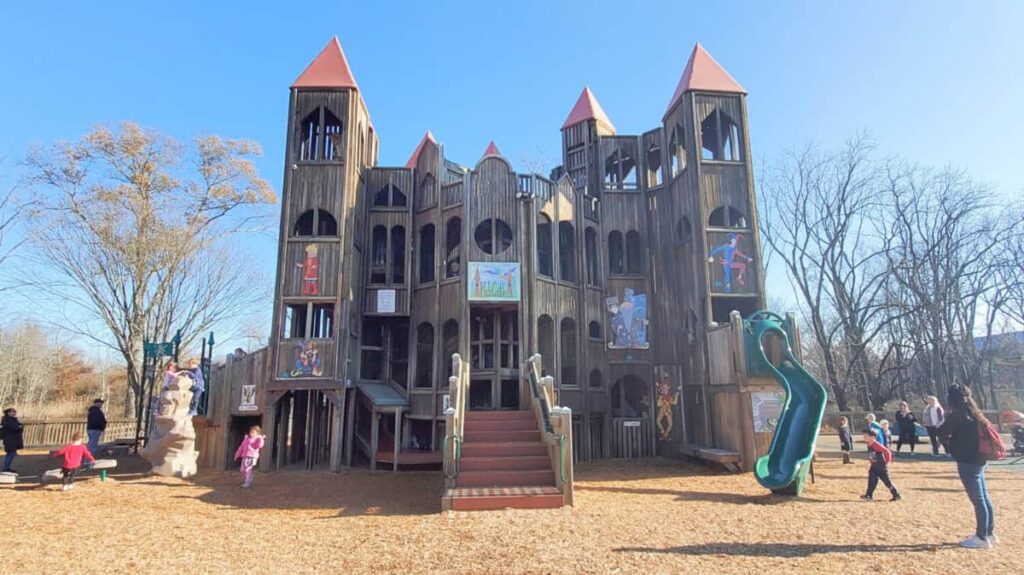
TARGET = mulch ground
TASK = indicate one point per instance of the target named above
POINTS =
(650, 516)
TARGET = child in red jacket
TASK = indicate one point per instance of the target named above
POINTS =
(880, 457)
(72, 454)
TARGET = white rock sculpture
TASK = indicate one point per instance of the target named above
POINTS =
(171, 446)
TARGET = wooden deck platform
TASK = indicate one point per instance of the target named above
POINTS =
(411, 457)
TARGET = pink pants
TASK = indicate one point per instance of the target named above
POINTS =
(248, 465)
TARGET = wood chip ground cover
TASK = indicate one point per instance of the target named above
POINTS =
(649, 516)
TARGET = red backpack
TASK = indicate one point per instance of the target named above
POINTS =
(990, 443)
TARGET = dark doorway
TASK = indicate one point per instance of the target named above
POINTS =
(509, 394)
(480, 394)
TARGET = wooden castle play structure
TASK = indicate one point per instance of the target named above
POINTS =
(411, 300)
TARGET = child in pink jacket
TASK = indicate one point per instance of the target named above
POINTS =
(249, 453)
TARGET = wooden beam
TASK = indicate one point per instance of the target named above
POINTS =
(374, 433)
(397, 441)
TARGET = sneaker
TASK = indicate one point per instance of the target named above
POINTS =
(975, 542)
(246, 485)
(993, 540)
(63, 487)
(867, 498)
(896, 497)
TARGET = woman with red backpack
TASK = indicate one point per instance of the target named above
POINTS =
(969, 438)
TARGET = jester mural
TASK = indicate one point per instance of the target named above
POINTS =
(667, 400)
(310, 271)
(629, 321)
(731, 258)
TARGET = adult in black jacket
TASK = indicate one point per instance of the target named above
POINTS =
(907, 422)
(960, 433)
(13, 439)
(95, 426)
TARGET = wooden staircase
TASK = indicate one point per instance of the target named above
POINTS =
(504, 464)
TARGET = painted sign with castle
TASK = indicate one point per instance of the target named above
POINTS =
(494, 281)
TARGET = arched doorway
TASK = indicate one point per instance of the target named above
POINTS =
(632, 417)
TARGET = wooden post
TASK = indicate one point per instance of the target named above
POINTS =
(350, 428)
(374, 433)
(397, 441)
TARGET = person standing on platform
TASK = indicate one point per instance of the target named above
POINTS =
(96, 425)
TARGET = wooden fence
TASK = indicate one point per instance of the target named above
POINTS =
(45, 433)
(632, 437)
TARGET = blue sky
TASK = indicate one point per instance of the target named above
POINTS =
(936, 82)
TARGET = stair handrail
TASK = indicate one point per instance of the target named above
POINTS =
(555, 425)
(455, 418)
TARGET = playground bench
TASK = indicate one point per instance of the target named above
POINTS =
(728, 459)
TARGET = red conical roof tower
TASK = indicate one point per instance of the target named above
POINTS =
(587, 108)
(704, 74)
(328, 70)
(428, 137)
(492, 150)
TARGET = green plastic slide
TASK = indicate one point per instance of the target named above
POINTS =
(784, 469)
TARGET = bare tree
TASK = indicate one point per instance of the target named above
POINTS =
(13, 207)
(817, 211)
(135, 230)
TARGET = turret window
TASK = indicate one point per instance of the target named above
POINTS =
(381, 265)
(677, 151)
(452, 247)
(720, 138)
(620, 165)
(545, 265)
(727, 217)
(655, 172)
(315, 223)
(593, 265)
(566, 252)
(625, 256)
(493, 236)
(320, 136)
(389, 195)
(426, 253)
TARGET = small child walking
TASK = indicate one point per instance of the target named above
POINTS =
(249, 452)
(845, 439)
(880, 457)
(73, 453)
(886, 432)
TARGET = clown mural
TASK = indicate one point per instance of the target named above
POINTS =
(310, 271)
(307, 361)
(667, 400)
(733, 261)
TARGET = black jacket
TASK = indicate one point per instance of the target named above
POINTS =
(845, 439)
(12, 429)
(906, 423)
(97, 421)
(960, 432)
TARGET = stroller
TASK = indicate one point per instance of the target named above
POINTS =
(1018, 438)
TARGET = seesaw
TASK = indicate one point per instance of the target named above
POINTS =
(101, 465)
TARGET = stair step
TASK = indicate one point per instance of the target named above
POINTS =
(504, 449)
(498, 478)
(522, 463)
(501, 425)
(492, 415)
(500, 436)
(508, 497)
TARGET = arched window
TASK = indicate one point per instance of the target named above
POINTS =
(493, 236)
(630, 397)
(398, 255)
(677, 151)
(593, 267)
(720, 138)
(314, 223)
(332, 127)
(596, 379)
(389, 195)
(309, 136)
(655, 176)
(546, 342)
(424, 356)
(684, 231)
(568, 342)
(426, 249)
(634, 253)
(450, 346)
(726, 217)
(594, 330)
(566, 252)
(452, 247)
(545, 266)
(616, 254)
(379, 255)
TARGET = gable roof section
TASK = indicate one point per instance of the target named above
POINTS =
(428, 137)
(587, 108)
(329, 70)
(704, 74)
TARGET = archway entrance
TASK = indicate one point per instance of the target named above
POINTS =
(632, 418)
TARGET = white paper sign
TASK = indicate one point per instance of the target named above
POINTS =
(385, 301)
(446, 402)
(248, 402)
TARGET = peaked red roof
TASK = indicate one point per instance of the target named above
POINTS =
(328, 70)
(428, 137)
(704, 74)
(492, 150)
(586, 108)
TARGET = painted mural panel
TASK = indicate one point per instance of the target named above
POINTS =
(731, 263)
(767, 409)
(629, 320)
(305, 360)
(494, 281)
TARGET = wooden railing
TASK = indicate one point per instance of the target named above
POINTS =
(555, 425)
(455, 417)
(47, 432)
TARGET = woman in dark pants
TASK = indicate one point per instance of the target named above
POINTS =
(960, 433)
(908, 427)
(12, 432)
